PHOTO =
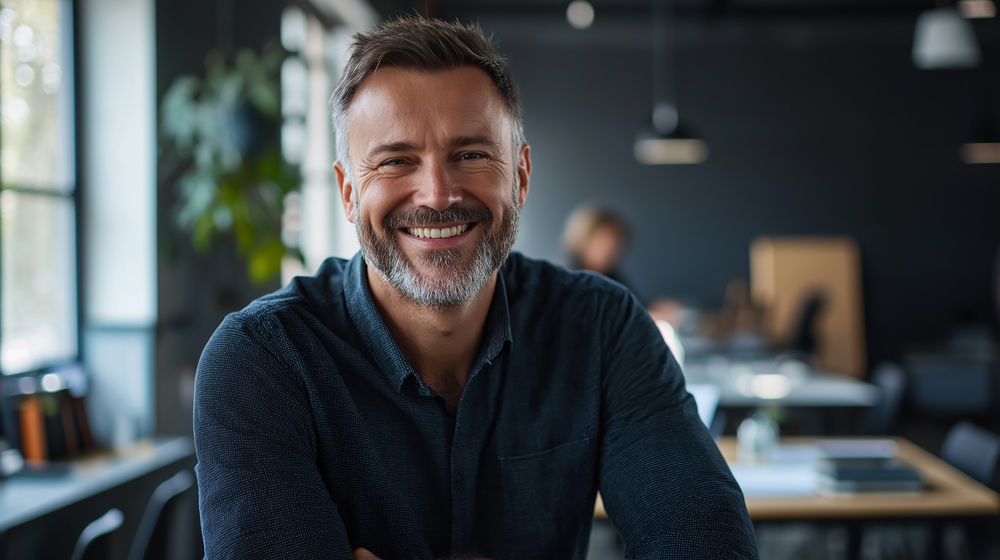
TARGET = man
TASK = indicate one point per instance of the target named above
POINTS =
(438, 396)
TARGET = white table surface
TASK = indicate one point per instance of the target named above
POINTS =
(760, 383)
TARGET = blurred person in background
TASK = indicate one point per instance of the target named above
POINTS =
(596, 239)
(438, 396)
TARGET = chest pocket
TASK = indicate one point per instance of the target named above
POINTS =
(549, 500)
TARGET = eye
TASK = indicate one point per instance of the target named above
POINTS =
(393, 162)
(470, 156)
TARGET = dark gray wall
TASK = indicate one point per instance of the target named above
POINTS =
(195, 290)
(815, 127)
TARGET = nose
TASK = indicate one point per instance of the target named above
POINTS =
(435, 189)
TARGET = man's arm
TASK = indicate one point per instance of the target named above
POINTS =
(664, 483)
(260, 493)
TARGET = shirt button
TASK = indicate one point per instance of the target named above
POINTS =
(459, 483)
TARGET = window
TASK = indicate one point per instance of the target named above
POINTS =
(38, 286)
(314, 221)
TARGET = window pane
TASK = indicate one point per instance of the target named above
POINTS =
(38, 303)
(35, 94)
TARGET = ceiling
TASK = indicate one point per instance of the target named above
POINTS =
(640, 8)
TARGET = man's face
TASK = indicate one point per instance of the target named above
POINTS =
(435, 185)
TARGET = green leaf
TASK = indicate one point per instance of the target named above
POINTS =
(265, 261)
(202, 234)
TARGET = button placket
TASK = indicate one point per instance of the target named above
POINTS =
(464, 451)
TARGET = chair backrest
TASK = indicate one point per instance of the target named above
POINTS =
(891, 380)
(972, 450)
(956, 385)
(803, 336)
(95, 540)
(154, 529)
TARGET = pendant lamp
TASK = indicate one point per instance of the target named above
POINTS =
(668, 141)
(985, 145)
(944, 39)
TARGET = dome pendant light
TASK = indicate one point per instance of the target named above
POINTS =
(944, 40)
(668, 141)
(985, 145)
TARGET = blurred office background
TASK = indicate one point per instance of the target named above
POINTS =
(813, 214)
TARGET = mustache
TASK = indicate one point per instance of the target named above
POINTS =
(422, 215)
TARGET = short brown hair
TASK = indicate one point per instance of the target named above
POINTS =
(428, 45)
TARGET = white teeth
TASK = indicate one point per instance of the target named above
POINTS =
(436, 233)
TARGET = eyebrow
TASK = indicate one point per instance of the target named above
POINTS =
(390, 148)
(456, 142)
(461, 141)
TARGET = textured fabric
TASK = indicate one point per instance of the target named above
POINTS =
(314, 435)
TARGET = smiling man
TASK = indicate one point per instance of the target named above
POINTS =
(438, 396)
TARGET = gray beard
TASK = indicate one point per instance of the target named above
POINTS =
(450, 283)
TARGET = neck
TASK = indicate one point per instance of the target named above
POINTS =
(440, 344)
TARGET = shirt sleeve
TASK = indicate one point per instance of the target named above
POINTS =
(666, 488)
(260, 492)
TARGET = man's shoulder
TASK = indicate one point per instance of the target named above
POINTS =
(530, 273)
(542, 285)
(302, 296)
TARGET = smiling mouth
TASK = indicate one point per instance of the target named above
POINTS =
(438, 232)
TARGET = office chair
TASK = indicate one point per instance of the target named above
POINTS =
(803, 341)
(951, 385)
(154, 530)
(974, 451)
(881, 419)
(95, 540)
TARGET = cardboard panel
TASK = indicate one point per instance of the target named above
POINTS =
(785, 272)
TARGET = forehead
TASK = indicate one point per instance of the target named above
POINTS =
(407, 103)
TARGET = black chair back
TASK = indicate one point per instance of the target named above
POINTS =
(95, 540)
(974, 451)
(881, 419)
(803, 337)
(154, 530)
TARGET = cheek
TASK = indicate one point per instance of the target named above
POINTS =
(378, 199)
(494, 190)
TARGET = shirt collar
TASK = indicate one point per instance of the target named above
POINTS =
(383, 348)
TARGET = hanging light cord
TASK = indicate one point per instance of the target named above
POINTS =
(664, 52)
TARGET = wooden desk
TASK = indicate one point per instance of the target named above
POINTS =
(948, 493)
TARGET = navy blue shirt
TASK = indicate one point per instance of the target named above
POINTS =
(315, 436)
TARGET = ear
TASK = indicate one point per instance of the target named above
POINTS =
(346, 191)
(523, 174)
